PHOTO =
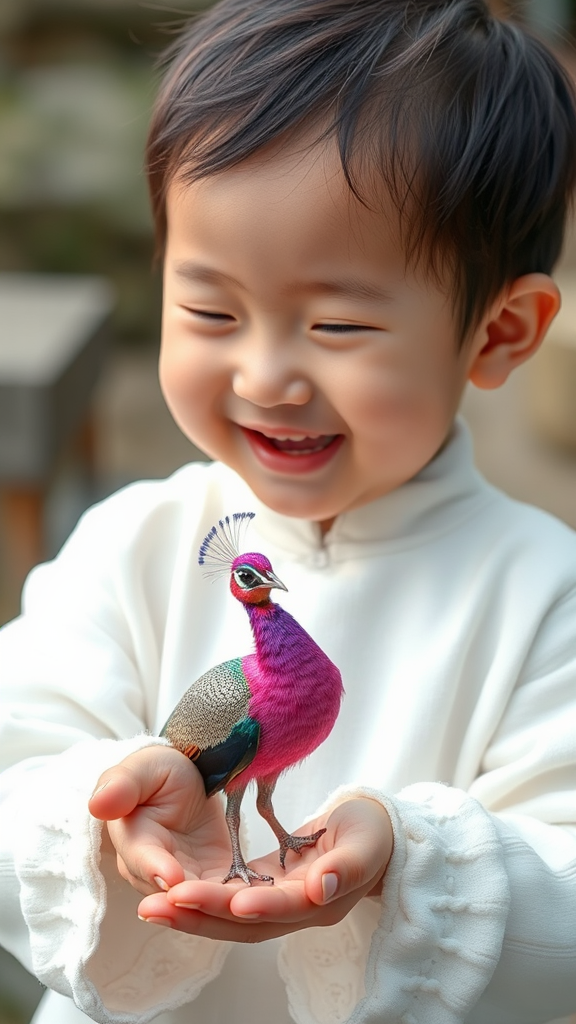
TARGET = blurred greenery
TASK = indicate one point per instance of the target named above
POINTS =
(77, 83)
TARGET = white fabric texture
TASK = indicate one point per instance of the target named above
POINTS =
(451, 612)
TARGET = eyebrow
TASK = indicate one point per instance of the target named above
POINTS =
(189, 270)
(347, 287)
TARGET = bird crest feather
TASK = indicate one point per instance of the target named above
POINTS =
(221, 545)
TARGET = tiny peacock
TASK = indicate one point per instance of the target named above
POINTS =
(253, 717)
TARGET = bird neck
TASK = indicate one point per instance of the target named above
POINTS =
(261, 616)
(273, 629)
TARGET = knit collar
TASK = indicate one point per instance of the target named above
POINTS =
(447, 491)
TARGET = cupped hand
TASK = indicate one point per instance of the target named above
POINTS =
(319, 888)
(160, 823)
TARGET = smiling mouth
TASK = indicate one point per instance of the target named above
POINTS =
(309, 452)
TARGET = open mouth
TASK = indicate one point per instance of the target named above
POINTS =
(293, 452)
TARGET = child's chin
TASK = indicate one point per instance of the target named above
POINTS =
(297, 504)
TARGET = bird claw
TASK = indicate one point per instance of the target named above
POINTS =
(298, 843)
(241, 870)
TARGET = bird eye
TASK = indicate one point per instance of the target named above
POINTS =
(246, 579)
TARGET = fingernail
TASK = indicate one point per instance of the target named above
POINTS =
(164, 922)
(161, 883)
(189, 906)
(246, 917)
(330, 884)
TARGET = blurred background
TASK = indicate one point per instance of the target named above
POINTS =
(78, 392)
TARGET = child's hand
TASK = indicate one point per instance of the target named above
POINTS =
(160, 823)
(352, 855)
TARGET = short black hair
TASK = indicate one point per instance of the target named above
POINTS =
(467, 120)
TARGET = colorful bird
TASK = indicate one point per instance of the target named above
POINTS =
(253, 717)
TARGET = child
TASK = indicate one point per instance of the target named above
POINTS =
(358, 207)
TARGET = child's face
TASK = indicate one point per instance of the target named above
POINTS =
(297, 347)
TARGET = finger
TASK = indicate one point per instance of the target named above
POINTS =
(121, 788)
(145, 848)
(210, 896)
(288, 905)
(157, 910)
(144, 888)
(152, 870)
(284, 902)
(362, 846)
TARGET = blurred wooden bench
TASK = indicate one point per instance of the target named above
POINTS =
(53, 335)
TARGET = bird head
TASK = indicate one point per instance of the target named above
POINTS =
(251, 575)
(252, 578)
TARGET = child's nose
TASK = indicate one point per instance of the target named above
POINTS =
(265, 376)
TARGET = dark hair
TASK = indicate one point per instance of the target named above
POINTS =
(468, 121)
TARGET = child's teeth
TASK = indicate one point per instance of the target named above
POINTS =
(302, 445)
(288, 437)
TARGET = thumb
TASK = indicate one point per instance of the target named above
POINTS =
(361, 832)
(133, 781)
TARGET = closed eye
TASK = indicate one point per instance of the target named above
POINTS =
(341, 328)
(205, 314)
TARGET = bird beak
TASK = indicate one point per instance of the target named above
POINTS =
(275, 582)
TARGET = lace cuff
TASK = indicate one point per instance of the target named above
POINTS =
(71, 898)
(426, 955)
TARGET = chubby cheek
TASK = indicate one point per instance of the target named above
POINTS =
(189, 391)
(402, 415)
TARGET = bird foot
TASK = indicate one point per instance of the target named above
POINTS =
(298, 843)
(240, 869)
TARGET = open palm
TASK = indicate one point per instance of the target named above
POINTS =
(354, 851)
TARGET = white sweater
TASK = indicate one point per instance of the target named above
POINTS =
(451, 612)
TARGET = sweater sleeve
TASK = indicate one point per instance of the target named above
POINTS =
(79, 692)
(429, 952)
(476, 924)
(68, 915)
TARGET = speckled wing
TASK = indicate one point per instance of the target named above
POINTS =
(211, 725)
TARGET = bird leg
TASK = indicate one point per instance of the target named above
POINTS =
(239, 867)
(285, 840)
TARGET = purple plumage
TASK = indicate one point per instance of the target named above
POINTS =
(296, 690)
(253, 717)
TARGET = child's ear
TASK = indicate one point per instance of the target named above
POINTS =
(516, 326)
